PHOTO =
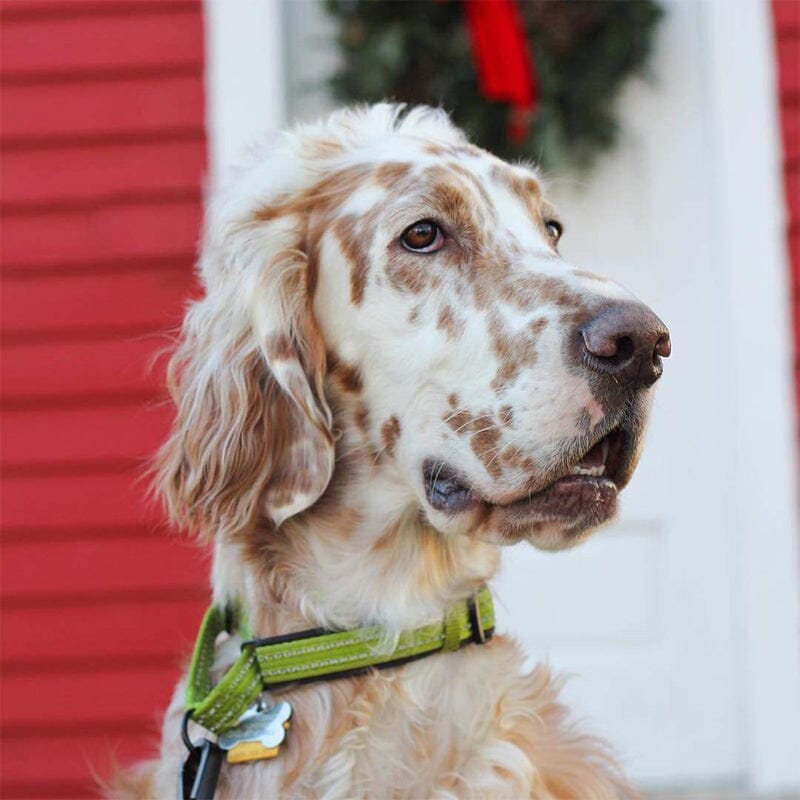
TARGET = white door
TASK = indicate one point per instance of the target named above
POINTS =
(648, 615)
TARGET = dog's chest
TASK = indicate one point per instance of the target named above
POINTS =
(406, 729)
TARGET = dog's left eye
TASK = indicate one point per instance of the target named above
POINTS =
(424, 236)
(554, 230)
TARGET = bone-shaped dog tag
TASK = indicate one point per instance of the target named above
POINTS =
(259, 733)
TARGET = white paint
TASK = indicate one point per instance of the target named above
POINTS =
(245, 82)
(750, 241)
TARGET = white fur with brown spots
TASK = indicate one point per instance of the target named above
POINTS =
(325, 383)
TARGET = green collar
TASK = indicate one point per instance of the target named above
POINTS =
(313, 655)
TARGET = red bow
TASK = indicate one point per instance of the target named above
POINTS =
(503, 59)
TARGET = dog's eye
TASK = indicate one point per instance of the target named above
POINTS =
(424, 236)
(554, 230)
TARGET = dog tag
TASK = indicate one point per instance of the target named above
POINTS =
(200, 773)
(259, 733)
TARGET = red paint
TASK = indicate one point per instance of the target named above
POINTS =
(82, 304)
(99, 565)
(107, 632)
(71, 758)
(786, 17)
(106, 43)
(99, 109)
(75, 500)
(110, 236)
(101, 170)
(101, 183)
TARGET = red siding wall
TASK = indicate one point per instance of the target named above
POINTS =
(786, 16)
(103, 153)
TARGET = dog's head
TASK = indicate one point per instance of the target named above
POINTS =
(380, 265)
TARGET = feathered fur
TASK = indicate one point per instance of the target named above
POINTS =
(309, 382)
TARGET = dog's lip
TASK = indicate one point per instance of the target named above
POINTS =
(567, 498)
(562, 494)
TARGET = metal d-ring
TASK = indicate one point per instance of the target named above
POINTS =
(190, 745)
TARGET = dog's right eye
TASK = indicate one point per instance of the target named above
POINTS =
(424, 236)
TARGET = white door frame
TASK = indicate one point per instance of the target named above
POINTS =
(245, 76)
(750, 240)
(246, 99)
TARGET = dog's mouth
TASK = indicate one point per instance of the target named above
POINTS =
(583, 492)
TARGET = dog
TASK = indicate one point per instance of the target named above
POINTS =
(391, 374)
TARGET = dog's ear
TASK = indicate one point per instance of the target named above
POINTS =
(252, 434)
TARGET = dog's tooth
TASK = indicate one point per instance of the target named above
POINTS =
(606, 447)
(592, 472)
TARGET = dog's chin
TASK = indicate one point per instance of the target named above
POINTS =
(559, 517)
(552, 510)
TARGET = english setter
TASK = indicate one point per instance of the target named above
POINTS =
(393, 372)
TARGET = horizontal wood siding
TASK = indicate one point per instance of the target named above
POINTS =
(786, 17)
(101, 174)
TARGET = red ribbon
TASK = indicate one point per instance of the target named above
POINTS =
(503, 59)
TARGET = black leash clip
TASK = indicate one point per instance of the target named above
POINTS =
(200, 774)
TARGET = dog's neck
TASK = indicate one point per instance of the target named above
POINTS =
(363, 554)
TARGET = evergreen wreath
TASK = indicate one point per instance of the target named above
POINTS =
(424, 51)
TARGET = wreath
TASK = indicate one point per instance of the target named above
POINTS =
(534, 79)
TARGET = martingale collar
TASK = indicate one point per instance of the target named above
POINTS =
(313, 655)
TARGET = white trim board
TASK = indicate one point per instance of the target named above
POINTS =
(245, 76)
(750, 241)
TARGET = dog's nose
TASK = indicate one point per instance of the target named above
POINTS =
(626, 341)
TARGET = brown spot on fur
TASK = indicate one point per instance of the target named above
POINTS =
(526, 189)
(362, 417)
(507, 416)
(407, 271)
(447, 322)
(346, 376)
(391, 173)
(413, 317)
(437, 149)
(516, 459)
(460, 422)
(452, 399)
(529, 291)
(451, 200)
(514, 352)
(323, 199)
(351, 236)
(326, 195)
(484, 437)
(484, 445)
(310, 246)
(390, 431)
(536, 326)
(473, 181)
(280, 348)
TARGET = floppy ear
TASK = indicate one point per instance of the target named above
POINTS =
(252, 434)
